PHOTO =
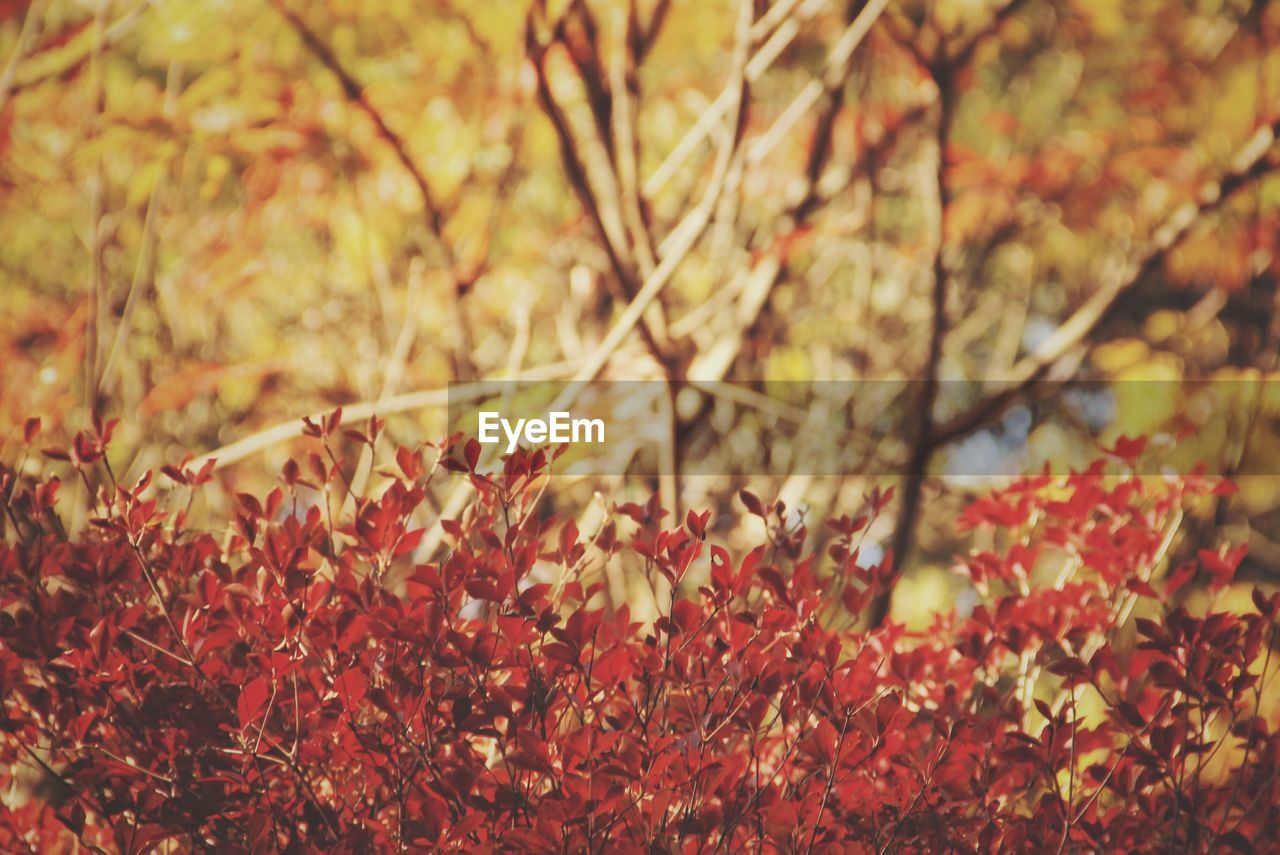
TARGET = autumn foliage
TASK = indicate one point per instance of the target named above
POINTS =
(305, 682)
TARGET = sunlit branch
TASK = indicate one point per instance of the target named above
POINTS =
(30, 27)
(408, 402)
(835, 72)
(144, 264)
(922, 431)
(687, 234)
(787, 28)
(1250, 164)
(605, 214)
(81, 49)
(769, 271)
(97, 216)
(355, 92)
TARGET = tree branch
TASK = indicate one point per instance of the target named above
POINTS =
(144, 264)
(770, 271)
(30, 28)
(781, 30)
(922, 434)
(81, 49)
(97, 216)
(624, 59)
(1250, 164)
(261, 440)
(862, 16)
(642, 39)
(608, 223)
(355, 92)
(943, 70)
(687, 233)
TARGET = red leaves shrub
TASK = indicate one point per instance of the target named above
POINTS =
(299, 685)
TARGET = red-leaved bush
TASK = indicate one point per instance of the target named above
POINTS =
(300, 684)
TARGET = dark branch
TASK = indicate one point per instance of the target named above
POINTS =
(576, 172)
(355, 93)
(1084, 324)
(923, 442)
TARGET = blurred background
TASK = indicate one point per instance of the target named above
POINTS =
(218, 216)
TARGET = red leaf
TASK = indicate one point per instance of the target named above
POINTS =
(332, 420)
(253, 697)
(568, 540)
(1129, 449)
(409, 462)
(752, 502)
(409, 542)
(721, 570)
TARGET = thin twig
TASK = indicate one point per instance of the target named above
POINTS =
(922, 434)
(686, 233)
(113, 34)
(1250, 164)
(787, 29)
(393, 373)
(266, 438)
(355, 92)
(97, 215)
(143, 268)
(834, 73)
(626, 91)
(603, 208)
(30, 28)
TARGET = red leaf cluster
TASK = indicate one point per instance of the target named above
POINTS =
(300, 685)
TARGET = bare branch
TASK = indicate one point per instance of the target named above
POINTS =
(922, 432)
(835, 71)
(578, 31)
(687, 233)
(643, 39)
(97, 215)
(392, 374)
(355, 92)
(761, 281)
(787, 29)
(266, 438)
(626, 89)
(144, 264)
(1250, 164)
(80, 51)
(607, 220)
(30, 26)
